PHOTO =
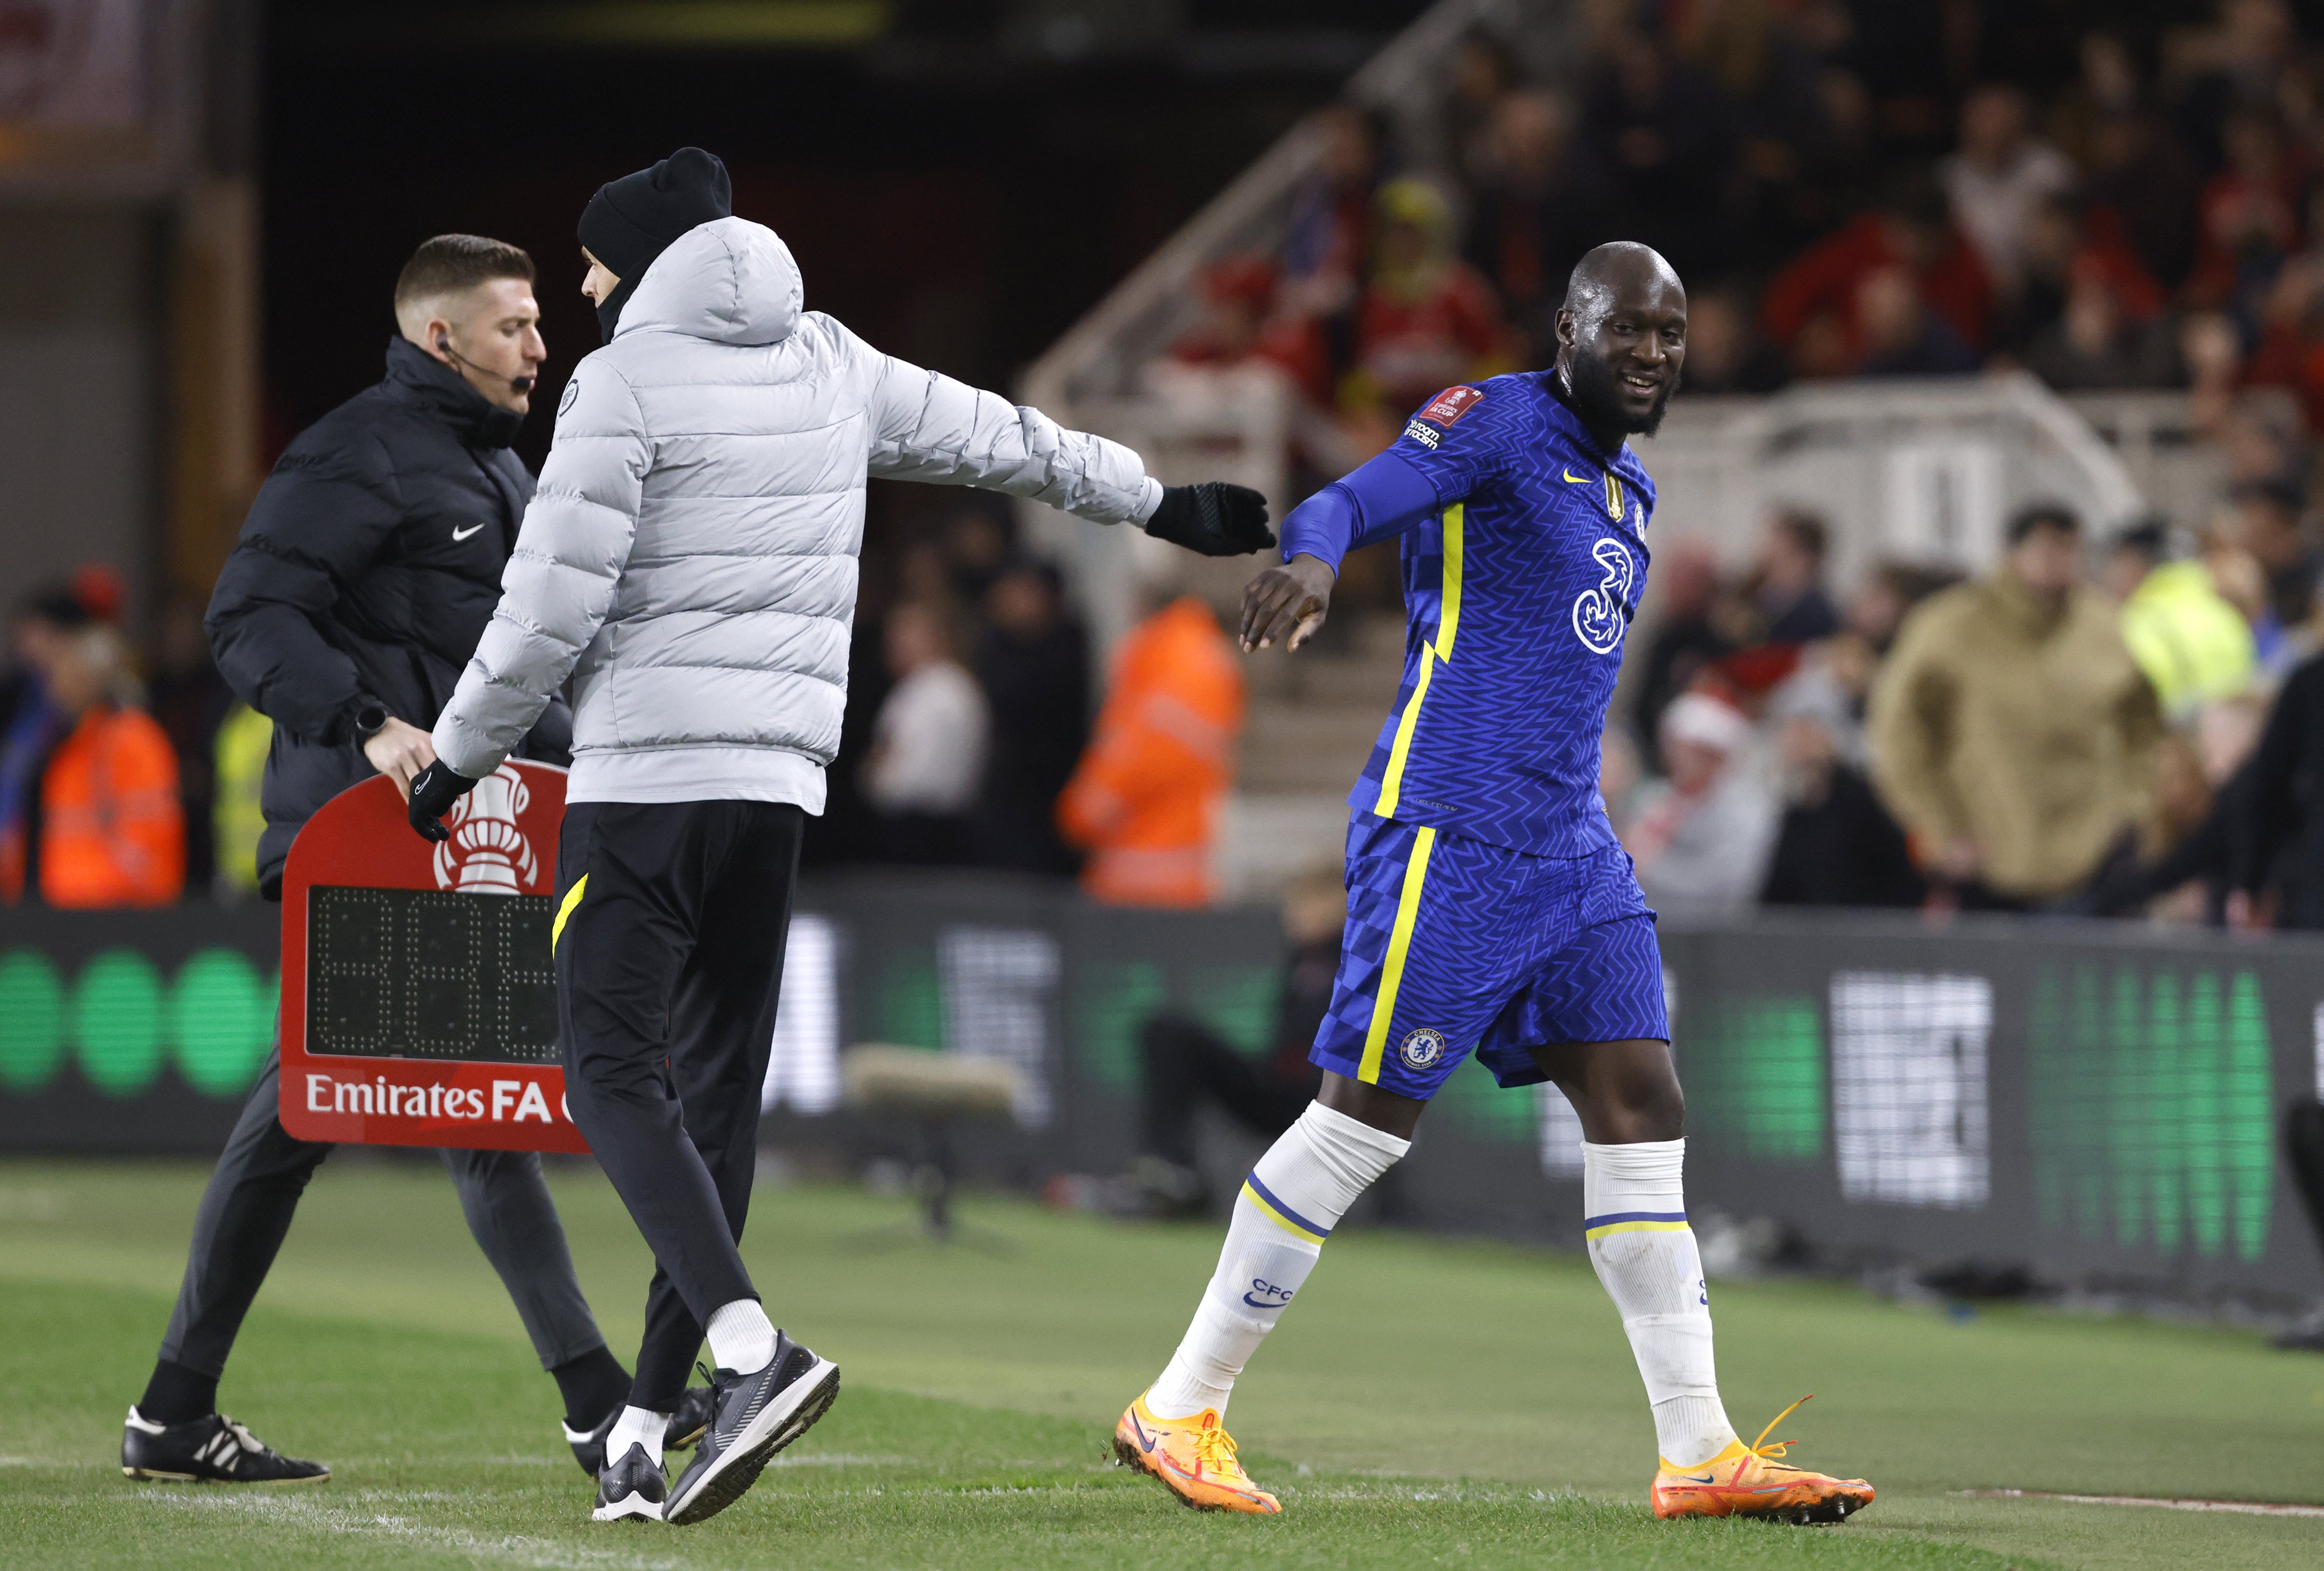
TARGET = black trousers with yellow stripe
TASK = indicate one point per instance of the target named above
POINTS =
(669, 932)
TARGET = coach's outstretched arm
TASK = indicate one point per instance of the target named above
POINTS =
(928, 427)
(555, 593)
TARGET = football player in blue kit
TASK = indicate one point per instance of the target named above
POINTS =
(1490, 909)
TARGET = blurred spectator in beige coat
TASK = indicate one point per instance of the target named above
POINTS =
(2011, 735)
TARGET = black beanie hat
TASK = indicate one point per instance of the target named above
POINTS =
(633, 220)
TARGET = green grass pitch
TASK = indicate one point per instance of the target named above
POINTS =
(1431, 1403)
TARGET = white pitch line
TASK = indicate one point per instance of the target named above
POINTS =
(2251, 1508)
(509, 1548)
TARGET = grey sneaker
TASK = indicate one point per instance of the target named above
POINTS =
(754, 1416)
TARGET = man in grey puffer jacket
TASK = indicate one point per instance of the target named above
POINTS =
(689, 559)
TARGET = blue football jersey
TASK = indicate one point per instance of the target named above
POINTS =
(1519, 592)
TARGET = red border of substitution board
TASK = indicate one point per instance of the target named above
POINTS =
(361, 838)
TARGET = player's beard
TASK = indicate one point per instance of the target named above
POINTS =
(1596, 399)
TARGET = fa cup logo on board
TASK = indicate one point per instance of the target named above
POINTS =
(1423, 1047)
(488, 853)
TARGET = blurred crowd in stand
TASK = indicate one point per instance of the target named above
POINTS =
(983, 747)
(2091, 728)
(2109, 196)
(121, 783)
(2113, 196)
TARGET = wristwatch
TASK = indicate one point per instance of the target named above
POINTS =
(371, 716)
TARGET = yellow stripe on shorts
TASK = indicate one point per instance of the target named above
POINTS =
(565, 909)
(1399, 943)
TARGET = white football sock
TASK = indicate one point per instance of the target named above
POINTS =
(637, 1426)
(1634, 1216)
(1289, 1206)
(741, 1337)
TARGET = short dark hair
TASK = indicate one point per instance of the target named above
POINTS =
(1806, 531)
(2043, 515)
(452, 263)
(2149, 536)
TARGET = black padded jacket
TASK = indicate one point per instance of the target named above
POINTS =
(366, 571)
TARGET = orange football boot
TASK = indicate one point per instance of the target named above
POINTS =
(1748, 1481)
(1193, 1457)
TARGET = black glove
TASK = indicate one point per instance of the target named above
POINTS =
(433, 791)
(1214, 519)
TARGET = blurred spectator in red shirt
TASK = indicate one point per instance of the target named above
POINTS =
(1239, 323)
(2101, 342)
(1538, 206)
(1689, 637)
(2291, 351)
(2249, 214)
(1896, 334)
(1426, 319)
(2066, 240)
(1817, 300)
(1331, 216)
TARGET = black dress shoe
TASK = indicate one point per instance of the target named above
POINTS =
(211, 1449)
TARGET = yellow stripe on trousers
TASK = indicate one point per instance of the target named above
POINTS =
(1448, 623)
(1399, 944)
(565, 909)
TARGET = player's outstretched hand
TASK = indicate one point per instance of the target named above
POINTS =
(1286, 604)
(433, 792)
(1214, 518)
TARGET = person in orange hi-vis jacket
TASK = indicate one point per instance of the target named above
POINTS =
(109, 831)
(1145, 801)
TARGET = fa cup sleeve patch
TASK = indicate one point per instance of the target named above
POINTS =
(1451, 404)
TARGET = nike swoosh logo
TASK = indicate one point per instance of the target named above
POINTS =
(464, 534)
(1573, 479)
(1146, 1442)
(1691, 1478)
(1255, 1304)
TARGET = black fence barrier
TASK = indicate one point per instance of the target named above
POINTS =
(2098, 1103)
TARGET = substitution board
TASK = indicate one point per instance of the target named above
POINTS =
(419, 997)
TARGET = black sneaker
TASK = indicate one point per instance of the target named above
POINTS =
(634, 1486)
(214, 1449)
(691, 1418)
(756, 1416)
(686, 1426)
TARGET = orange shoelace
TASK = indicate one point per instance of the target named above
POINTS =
(1768, 1450)
(1215, 1450)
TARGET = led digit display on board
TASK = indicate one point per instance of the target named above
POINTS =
(425, 973)
(419, 985)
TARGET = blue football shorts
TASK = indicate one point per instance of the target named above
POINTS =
(1456, 946)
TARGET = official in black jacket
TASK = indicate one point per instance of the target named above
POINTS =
(366, 571)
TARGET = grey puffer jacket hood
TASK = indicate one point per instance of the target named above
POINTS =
(690, 558)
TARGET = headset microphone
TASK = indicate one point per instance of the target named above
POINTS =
(524, 384)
